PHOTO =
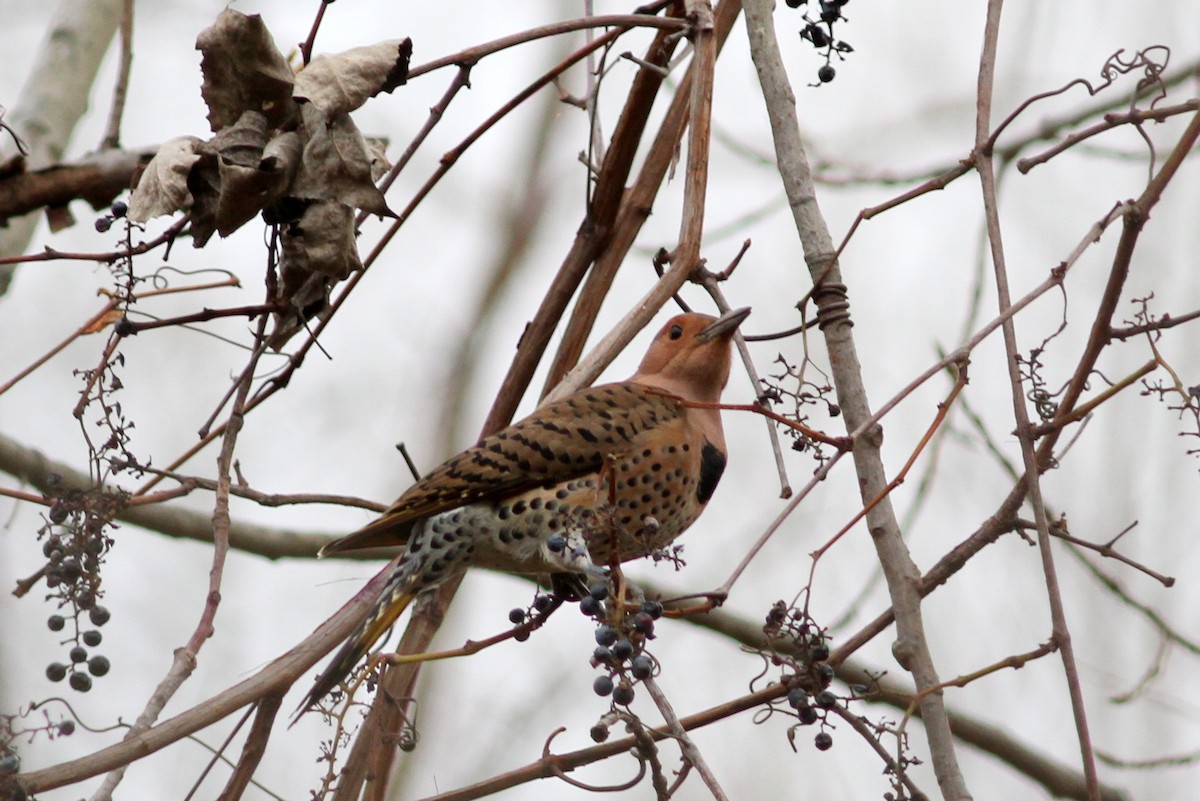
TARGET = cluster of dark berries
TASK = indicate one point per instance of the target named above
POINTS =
(115, 212)
(819, 33)
(74, 547)
(541, 608)
(81, 659)
(620, 644)
(800, 647)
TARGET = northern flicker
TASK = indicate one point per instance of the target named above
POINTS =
(609, 473)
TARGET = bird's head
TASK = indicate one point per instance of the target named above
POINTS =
(691, 355)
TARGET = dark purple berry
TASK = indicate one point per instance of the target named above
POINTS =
(98, 665)
(823, 741)
(124, 327)
(652, 608)
(605, 635)
(622, 649)
(541, 603)
(120, 208)
(602, 686)
(644, 623)
(521, 636)
(795, 3)
(56, 671)
(641, 667)
(826, 699)
(825, 673)
(808, 715)
(819, 653)
(826, 73)
(56, 622)
(81, 682)
(9, 764)
(589, 606)
(99, 615)
(797, 698)
(71, 571)
(78, 654)
(66, 728)
(599, 591)
(516, 616)
(52, 543)
(602, 655)
(623, 695)
(85, 600)
(104, 223)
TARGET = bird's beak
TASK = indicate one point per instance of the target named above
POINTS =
(725, 325)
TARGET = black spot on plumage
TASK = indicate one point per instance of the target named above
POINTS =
(586, 435)
(712, 465)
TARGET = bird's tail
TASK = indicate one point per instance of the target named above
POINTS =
(396, 597)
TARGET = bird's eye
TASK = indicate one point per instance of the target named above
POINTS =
(676, 331)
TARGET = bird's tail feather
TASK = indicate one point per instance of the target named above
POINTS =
(391, 605)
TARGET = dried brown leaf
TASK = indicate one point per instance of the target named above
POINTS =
(337, 164)
(163, 187)
(321, 241)
(243, 71)
(339, 83)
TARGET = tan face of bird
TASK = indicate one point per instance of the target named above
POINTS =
(690, 355)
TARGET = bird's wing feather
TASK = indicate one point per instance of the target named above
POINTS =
(559, 442)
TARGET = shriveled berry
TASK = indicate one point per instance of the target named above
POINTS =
(99, 615)
(622, 649)
(644, 623)
(819, 653)
(589, 605)
(652, 608)
(541, 603)
(56, 671)
(516, 616)
(603, 685)
(826, 699)
(66, 728)
(605, 635)
(823, 741)
(599, 733)
(623, 695)
(599, 591)
(78, 654)
(98, 665)
(556, 543)
(81, 682)
(56, 622)
(797, 698)
(808, 715)
(641, 667)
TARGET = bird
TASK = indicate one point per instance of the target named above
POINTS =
(606, 474)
